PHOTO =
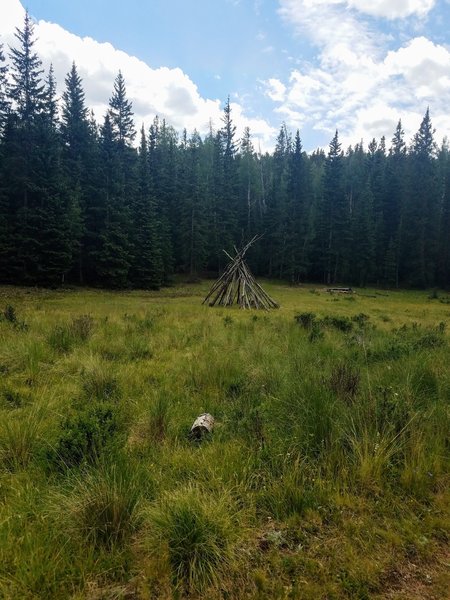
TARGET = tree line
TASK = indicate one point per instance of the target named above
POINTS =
(92, 205)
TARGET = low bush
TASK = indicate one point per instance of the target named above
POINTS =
(87, 435)
(306, 319)
(9, 315)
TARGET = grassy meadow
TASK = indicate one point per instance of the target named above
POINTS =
(326, 476)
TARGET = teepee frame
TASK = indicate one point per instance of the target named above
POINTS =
(237, 285)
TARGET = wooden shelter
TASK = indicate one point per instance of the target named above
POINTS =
(237, 285)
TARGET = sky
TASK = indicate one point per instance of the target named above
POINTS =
(317, 65)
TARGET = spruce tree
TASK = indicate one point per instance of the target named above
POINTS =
(27, 89)
(4, 102)
(422, 209)
(121, 113)
(396, 191)
(81, 172)
(112, 262)
(333, 224)
(147, 265)
(298, 213)
(23, 163)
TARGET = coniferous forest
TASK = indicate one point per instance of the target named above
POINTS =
(109, 206)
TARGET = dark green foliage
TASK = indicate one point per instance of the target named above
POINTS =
(340, 323)
(87, 435)
(407, 340)
(79, 203)
(9, 315)
(306, 320)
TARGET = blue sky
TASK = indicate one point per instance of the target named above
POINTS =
(355, 65)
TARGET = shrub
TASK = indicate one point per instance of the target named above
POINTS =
(340, 323)
(361, 319)
(10, 316)
(86, 435)
(316, 332)
(306, 319)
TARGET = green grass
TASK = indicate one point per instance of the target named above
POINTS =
(326, 476)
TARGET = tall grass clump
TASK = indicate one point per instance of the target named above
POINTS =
(158, 420)
(197, 532)
(63, 338)
(345, 381)
(374, 452)
(99, 383)
(103, 505)
(20, 439)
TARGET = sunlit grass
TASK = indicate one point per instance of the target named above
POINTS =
(328, 464)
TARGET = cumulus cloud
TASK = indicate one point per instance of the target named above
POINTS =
(275, 89)
(356, 83)
(393, 9)
(168, 93)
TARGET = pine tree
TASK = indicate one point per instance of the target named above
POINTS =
(163, 174)
(81, 172)
(23, 163)
(112, 262)
(298, 213)
(421, 212)
(4, 102)
(276, 217)
(332, 226)
(27, 89)
(121, 113)
(395, 204)
(147, 264)
(56, 238)
(249, 188)
(227, 196)
(193, 214)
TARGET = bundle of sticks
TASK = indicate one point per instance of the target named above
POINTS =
(237, 285)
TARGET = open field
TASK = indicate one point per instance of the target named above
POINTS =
(326, 476)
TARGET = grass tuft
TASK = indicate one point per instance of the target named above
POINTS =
(197, 531)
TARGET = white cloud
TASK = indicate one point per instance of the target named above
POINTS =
(355, 83)
(393, 9)
(168, 93)
(275, 89)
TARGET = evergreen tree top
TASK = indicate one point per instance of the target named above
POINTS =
(423, 141)
(27, 90)
(121, 112)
